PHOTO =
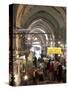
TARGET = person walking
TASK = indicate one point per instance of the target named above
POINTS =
(51, 70)
(59, 73)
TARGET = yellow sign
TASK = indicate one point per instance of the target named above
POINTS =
(54, 50)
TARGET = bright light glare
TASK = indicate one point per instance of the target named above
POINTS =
(37, 52)
(59, 42)
(23, 57)
(62, 45)
(59, 55)
(25, 77)
(35, 39)
(17, 56)
(29, 38)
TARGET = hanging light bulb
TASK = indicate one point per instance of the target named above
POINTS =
(59, 42)
(29, 38)
(25, 77)
(62, 45)
(35, 38)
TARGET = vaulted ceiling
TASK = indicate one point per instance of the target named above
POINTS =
(46, 19)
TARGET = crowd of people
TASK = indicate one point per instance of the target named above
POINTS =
(52, 70)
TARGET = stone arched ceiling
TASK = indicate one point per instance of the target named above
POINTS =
(54, 16)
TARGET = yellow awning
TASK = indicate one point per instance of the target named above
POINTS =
(54, 50)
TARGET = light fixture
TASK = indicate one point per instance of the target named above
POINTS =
(17, 56)
(59, 42)
(62, 45)
(35, 38)
(25, 77)
(29, 38)
(59, 55)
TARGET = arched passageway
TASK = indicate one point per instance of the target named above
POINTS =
(35, 29)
